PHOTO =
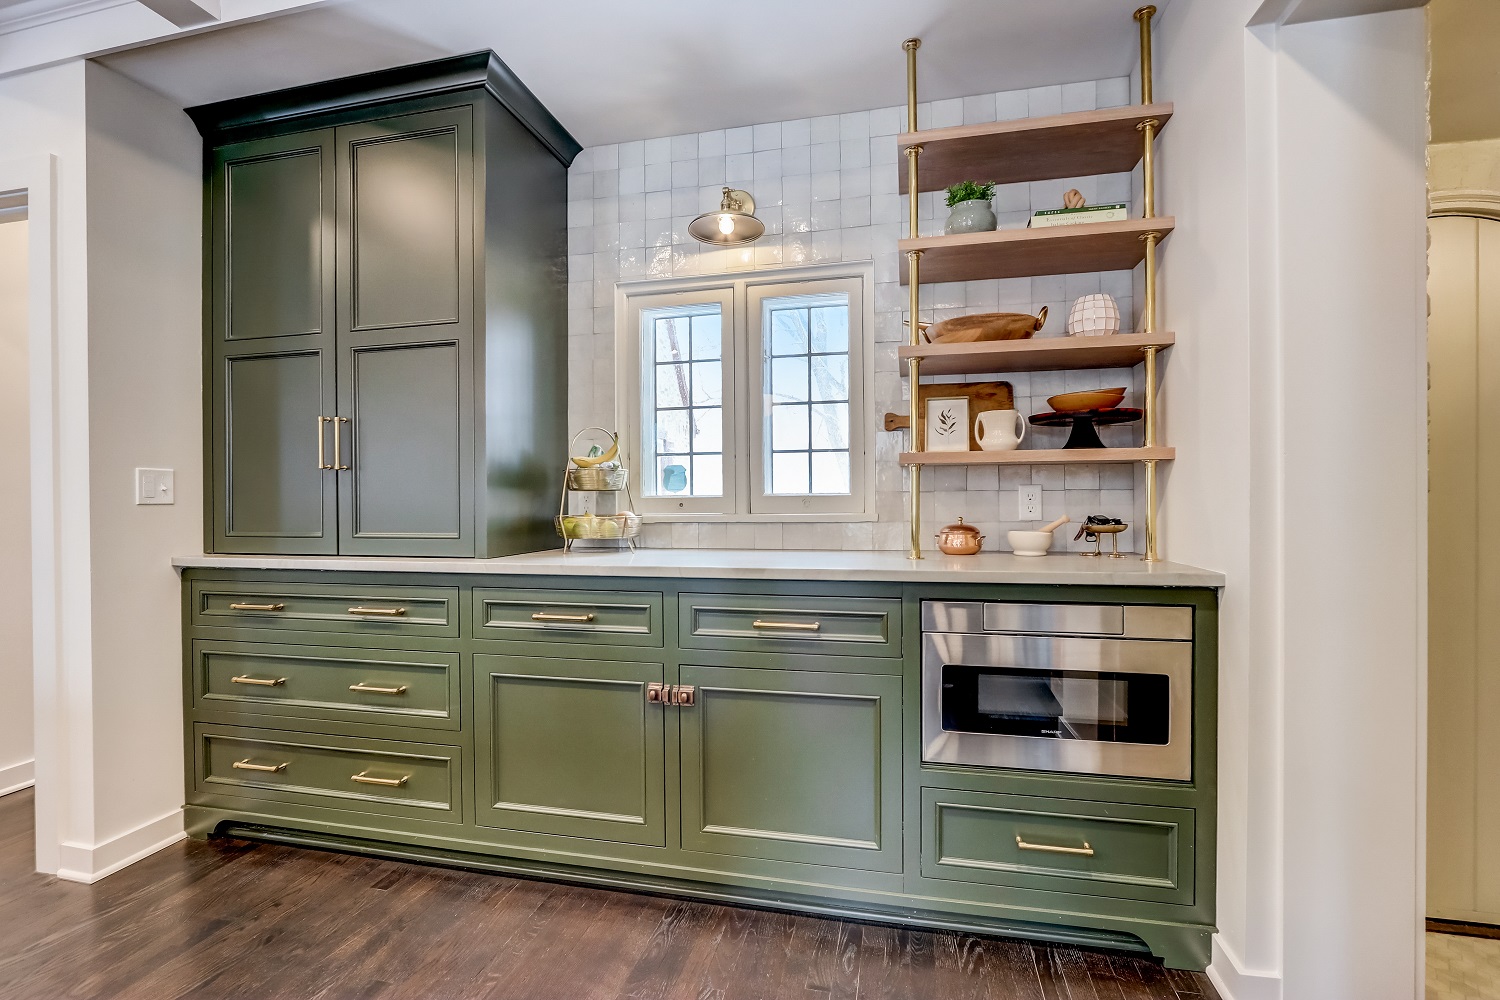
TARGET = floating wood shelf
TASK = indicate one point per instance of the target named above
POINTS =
(1039, 355)
(1038, 456)
(1024, 253)
(1079, 144)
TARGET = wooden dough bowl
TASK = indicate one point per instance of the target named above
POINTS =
(986, 326)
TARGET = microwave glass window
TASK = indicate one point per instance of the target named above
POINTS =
(1057, 704)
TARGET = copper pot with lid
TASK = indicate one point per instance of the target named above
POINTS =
(960, 539)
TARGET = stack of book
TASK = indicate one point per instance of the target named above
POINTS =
(1077, 216)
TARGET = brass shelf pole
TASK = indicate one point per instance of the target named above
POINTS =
(1148, 129)
(914, 276)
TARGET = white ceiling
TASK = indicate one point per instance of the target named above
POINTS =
(614, 71)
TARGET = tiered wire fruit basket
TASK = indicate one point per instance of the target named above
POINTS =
(603, 473)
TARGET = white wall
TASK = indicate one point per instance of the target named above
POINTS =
(1295, 282)
(145, 195)
(16, 710)
(41, 116)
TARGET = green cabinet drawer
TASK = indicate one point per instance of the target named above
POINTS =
(430, 611)
(791, 765)
(854, 626)
(389, 777)
(391, 687)
(619, 618)
(571, 747)
(1063, 845)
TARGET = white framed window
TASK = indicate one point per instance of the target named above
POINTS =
(744, 397)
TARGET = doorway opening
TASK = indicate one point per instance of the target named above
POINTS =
(1463, 746)
(17, 714)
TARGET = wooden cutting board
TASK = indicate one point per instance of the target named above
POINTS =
(982, 396)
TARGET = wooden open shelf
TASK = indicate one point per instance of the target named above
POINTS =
(1038, 456)
(1025, 253)
(1079, 144)
(1044, 354)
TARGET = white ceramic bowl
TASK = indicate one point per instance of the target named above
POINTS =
(1030, 543)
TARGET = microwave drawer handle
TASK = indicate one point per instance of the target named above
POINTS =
(787, 626)
(1084, 851)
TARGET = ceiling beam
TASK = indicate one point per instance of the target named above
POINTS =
(186, 13)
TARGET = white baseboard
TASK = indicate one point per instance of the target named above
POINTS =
(1235, 982)
(81, 863)
(17, 776)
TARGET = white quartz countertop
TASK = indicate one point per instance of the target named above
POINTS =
(759, 564)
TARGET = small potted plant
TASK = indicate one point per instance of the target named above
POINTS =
(971, 211)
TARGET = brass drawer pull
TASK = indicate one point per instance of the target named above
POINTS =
(338, 444)
(365, 779)
(379, 612)
(264, 682)
(323, 462)
(372, 689)
(543, 616)
(247, 765)
(788, 626)
(257, 607)
(1085, 851)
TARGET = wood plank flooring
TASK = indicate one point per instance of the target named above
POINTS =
(233, 920)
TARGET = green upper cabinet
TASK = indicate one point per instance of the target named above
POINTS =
(386, 335)
(405, 334)
(271, 344)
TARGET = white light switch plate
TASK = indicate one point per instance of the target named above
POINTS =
(154, 486)
(1031, 504)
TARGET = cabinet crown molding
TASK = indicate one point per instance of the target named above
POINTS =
(319, 104)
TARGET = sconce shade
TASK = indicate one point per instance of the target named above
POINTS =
(733, 224)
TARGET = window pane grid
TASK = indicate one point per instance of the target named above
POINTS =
(688, 394)
(807, 374)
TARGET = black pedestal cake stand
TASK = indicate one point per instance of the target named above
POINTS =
(1086, 423)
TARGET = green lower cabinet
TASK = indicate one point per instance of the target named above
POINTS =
(791, 765)
(1111, 849)
(387, 777)
(570, 747)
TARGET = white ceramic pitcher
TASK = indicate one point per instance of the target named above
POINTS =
(1000, 430)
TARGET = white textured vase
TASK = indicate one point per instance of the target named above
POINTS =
(1096, 315)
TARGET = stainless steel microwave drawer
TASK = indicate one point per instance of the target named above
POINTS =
(1126, 621)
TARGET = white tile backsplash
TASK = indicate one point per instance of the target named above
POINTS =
(826, 188)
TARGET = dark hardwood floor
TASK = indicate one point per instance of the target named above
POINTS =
(232, 920)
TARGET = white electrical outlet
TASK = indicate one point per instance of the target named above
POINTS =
(1031, 504)
(586, 503)
(154, 486)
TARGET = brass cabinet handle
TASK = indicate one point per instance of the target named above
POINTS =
(788, 626)
(656, 693)
(365, 779)
(379, 612)
(372, 689)
(543, 616)
(257, 607)
(247, 765)
(264, 682)
(681, 695)
(338, 443)
(323, 462)
(1086, 851)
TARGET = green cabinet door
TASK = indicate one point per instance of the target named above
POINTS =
(406, 334)
(570, 747)
(792, 765)
(271, 350)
